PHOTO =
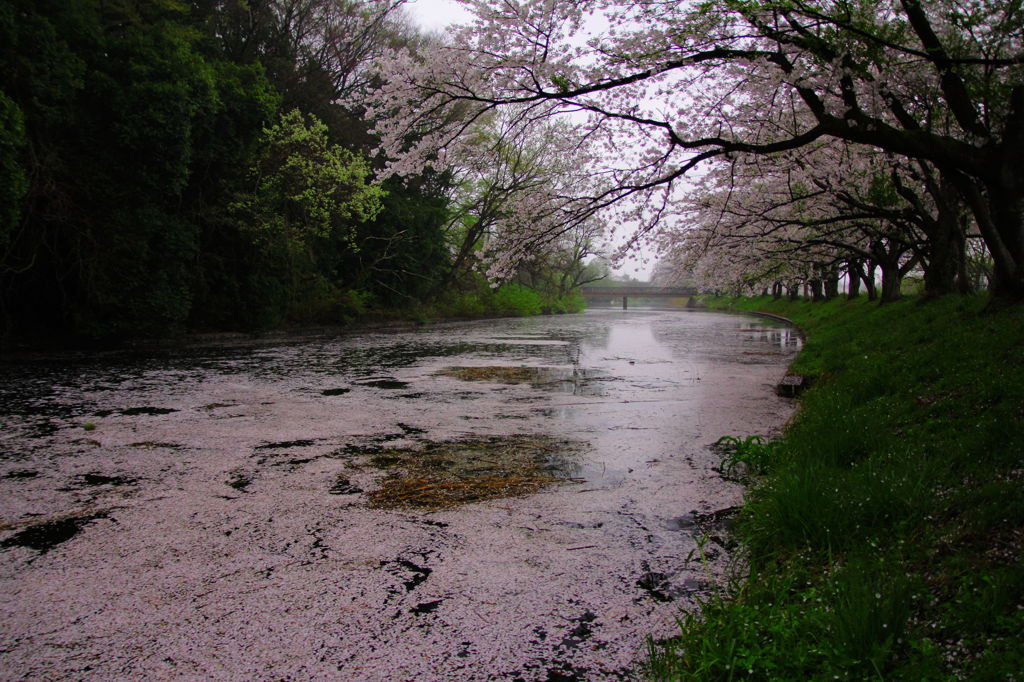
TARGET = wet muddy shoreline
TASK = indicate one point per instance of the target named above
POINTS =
(209, 512)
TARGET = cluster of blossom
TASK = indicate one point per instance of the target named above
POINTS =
(659, 90)
(757, 221)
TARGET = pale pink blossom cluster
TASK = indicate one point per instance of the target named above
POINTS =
(657, 91)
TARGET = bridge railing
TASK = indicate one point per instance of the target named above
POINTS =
(637, 292)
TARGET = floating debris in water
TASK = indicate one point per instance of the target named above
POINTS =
(502, 374)
(335, 391)
(451, 473)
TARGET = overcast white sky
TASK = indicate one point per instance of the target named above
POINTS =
(436, 15)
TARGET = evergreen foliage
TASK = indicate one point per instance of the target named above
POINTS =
(170, 166)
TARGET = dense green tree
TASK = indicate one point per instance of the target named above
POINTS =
(169, 165)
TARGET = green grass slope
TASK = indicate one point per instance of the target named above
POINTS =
(882, 535)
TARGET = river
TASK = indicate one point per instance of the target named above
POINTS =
(523, 499)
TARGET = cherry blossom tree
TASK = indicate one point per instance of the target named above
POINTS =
(810, 212)
(514, 197)
(663, 88)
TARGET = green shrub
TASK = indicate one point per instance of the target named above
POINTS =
(516, 300)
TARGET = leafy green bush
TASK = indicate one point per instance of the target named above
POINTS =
(516, 300)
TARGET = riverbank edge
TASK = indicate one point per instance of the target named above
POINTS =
(925, 580)
(228, 339)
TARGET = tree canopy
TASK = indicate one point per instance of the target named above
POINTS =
(170, 166)
(667, 90)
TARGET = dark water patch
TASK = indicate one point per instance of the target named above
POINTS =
(239, 482)
(42, 537)
(217, 406)
(343, 486)
(282, 445)
(397, 356)
(156, 445)
(657, 585)
(354, 451)
(426, 607)
(135, 411)
(412, 575)
(410, 430)
(594, 525)
(385, 384)
(42, 429)
(21, 474)
(684, 522)
(335, 391)
(94, 479)
(293, 463)
(580, 633)
(409, 396)
(560, 671)
(147, 410)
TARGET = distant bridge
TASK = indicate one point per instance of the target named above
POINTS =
(637, 291)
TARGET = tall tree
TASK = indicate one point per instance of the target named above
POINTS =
(670, 86)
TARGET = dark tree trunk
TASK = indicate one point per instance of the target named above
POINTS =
(793, 291)
(1008, 274)
(777, 291)
(964, 283)
(944, 253)
(869, 281)
(816, 292)
(890, 283)
(853, 278)
(831, 287)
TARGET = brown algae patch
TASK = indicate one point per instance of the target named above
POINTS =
(504, 375)
(438, 475)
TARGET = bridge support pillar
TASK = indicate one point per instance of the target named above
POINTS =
(624, 299)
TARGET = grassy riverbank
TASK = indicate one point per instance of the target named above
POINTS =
(882, 535)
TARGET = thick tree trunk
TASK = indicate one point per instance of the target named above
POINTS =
(869, 282)
(998, 208)
(793, 291)
(890, 282)
(1006, 201)
(777, 291)
(816, 292)
(1007, 211)
(853, 278)
(944, 254)
(831, 287)
(964, 283)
